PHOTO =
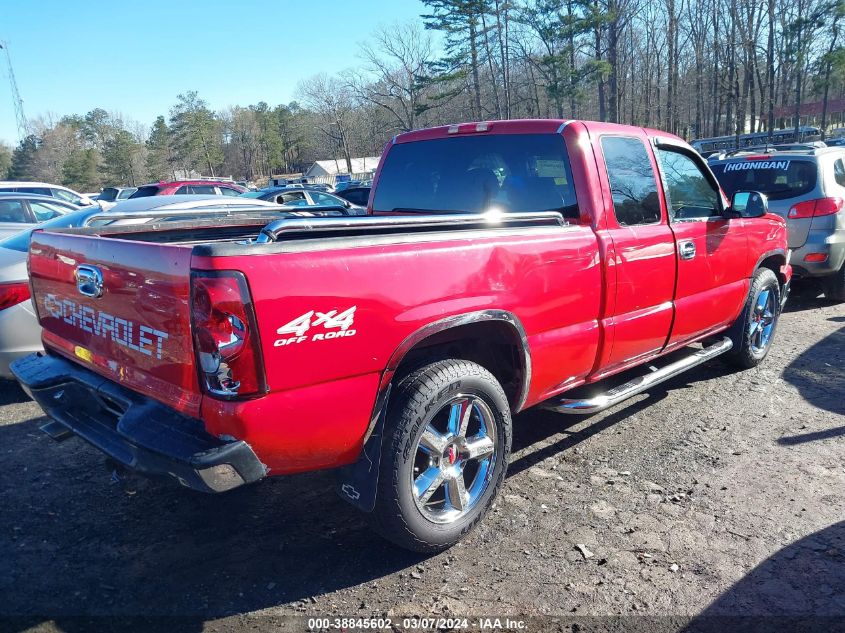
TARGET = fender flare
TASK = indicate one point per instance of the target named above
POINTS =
(775, 251)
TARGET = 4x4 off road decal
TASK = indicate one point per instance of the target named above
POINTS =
(331, 325)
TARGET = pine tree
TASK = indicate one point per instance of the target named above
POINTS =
(23, 165)
(80, 170)
(160, 154)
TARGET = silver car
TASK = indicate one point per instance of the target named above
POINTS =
(807, 188)
(20, 211)
(56, 192)
(20, 334)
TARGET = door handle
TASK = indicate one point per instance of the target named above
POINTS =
(686, 250)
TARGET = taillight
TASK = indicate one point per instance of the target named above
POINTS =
(828, 206)
(226, 335)
(13, 294)
(814, 208)
(815, 258)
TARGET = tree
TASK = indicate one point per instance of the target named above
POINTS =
(396, 73)
(23, 159)
(79, 170)
(5, 160)
(556, 33)
(834, 57)
(119, 159)
(459, 21)
(161, 156)
(334, 108)
(196, 133)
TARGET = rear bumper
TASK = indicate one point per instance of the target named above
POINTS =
(140, 433)
(828, 243)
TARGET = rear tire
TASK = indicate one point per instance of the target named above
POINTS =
(446, 448)
(753, 331)
(835, 287)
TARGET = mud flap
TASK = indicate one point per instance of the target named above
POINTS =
(357, 483)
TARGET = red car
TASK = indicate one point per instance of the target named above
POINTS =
(502, 265)
(205, 187)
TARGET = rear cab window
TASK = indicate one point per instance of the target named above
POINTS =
(476, 174)
(779, 177)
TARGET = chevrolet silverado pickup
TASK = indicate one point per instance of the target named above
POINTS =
(501, 265)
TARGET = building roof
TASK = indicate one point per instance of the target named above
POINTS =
(338, 165)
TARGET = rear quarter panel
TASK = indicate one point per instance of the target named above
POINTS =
(322, 392)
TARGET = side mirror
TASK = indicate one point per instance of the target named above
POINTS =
(748, 204)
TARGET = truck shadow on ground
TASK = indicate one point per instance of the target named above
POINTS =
(536, 426)
(806, 295)
(78, 546)
(774, 595)
(11, 393)
(819, 374)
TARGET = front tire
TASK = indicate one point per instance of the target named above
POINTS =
(753, 331)
(447, 444)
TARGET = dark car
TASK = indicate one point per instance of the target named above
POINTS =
(304, 197)
(356, 195)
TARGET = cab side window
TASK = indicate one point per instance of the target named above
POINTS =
(690, 196)
(632, 182)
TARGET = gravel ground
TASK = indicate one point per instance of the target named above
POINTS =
(719, 493)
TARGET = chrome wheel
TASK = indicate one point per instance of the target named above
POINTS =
(762, 321)
(454, 458)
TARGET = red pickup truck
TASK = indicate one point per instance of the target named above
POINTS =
(502, 264)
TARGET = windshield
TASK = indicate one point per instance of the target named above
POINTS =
(253, 194)
(475, 174)
(20, 241)
(778, 178)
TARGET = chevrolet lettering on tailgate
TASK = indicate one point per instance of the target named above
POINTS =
(140, 338)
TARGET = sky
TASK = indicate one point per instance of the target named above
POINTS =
(135, 56)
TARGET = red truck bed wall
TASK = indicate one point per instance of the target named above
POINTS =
(549, 278)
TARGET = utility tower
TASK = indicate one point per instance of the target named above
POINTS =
(23, 125)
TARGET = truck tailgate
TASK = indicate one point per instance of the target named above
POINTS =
(121, 309)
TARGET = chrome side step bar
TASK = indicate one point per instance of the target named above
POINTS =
(638, 385)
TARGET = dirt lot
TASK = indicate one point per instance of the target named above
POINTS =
(720, 493)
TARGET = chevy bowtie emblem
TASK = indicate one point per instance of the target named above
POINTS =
(89, 281)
